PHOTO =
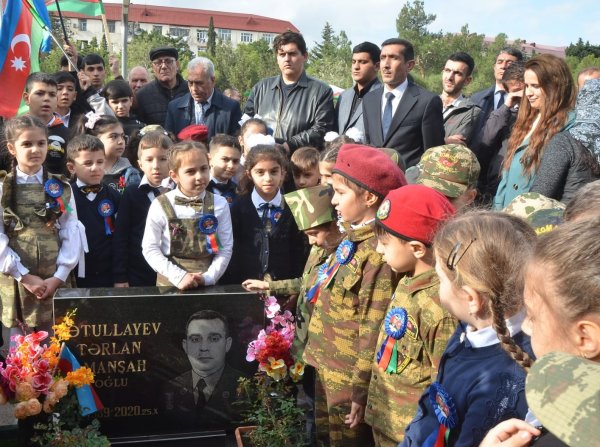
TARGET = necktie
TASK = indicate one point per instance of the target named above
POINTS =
(266, 221)
(501, 94)
(196, 204)
(89, 189)
(386, 120)
(200, 112)
(201, 402)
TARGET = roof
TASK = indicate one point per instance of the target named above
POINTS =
(196, 18)
(533, 47)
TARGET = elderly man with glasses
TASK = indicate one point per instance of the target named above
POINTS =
(152, 99)
(204, 104)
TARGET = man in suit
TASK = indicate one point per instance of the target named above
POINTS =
(204, 395)
(204, 104)
(402, 115)
(365, 66)
(491, 98)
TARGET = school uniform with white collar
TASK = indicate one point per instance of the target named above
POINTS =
(227, 190)
(188, 234)
(478, 385)
(39, 234)
(97, 207)
(267, 242)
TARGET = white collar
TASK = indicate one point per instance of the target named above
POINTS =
(39, 176)
(257, 200)
(216, 180)
(488, 336)
(208, 101)
(364, 224)
(396, 91)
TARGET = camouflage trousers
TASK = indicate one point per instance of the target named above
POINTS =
(381, 440)
(333, 391)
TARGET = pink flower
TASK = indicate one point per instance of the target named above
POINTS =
(271, 306)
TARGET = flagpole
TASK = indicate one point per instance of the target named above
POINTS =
(62, 22)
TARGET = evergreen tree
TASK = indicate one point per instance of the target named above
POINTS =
(211, 42)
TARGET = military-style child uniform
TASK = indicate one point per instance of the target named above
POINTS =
(188, 235)
(97, 207)
(355, 288)
(41, 236)
(416, 329)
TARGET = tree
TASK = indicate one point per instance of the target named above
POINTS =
(581, 50)
(412, 23)
(211, 42)
(331, 59)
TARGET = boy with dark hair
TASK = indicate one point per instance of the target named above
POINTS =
(225, 154)
(119, 95)
(94, 69)
(66, 108)
(97, 206)
(40, 95)
(415, 327)
(305, 167)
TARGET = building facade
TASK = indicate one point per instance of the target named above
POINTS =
(191, 24)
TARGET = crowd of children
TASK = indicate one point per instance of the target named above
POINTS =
(408, 317)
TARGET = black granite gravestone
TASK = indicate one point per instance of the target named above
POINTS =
(152, 377)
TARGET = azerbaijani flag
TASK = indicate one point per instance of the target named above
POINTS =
(22, 36)
(85, 7)
(89, 402)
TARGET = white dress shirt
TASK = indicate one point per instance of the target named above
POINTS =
(398, 92)
(156, 243)
(488, 336)
(150, 194)
(71, 232)
(257, 201)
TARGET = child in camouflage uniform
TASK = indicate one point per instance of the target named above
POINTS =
(40, 236)
(312, 210)
(451, 169)
(416, 328)
(355, 288)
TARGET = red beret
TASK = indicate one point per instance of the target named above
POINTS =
(414, 212)
(194, 132)
(369, 168)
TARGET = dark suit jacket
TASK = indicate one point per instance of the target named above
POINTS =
(344, 106)
(219, 411)
(417, 125)
(484, 99)
(221, 117)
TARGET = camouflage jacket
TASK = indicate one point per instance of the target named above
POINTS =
(347, 316)
(300, 286)
(393, 398)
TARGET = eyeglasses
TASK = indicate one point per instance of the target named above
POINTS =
(453, 257)
(168, 62)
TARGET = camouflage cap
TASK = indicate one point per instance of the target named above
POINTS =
(311, 207)
(563, 391)
(542, 213)
(449, 169)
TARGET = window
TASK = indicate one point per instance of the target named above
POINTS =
(157, 29)
(175, 31)
(111, 26)
(268, 37)
(82, 24)
(202, 35)
(225, 35)
(246, 37)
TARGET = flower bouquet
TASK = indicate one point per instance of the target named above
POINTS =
(39, 379)
(270, 396)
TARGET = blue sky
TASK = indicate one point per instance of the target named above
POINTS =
(548, 22)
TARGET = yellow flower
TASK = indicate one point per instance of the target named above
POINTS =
(276, 369)
(80, 377)
(297, 371)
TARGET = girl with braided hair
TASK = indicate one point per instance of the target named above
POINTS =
(41, 239)
(481, 377)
